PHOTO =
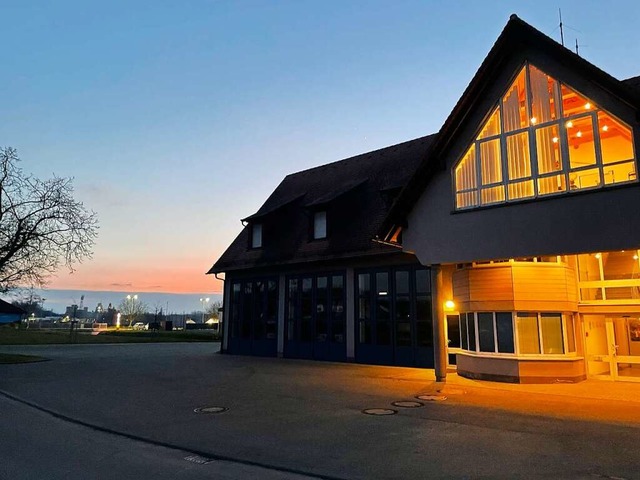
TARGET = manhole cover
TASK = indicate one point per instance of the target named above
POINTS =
(379, 411)
(407, 404)
(432, 398)
(210, 409)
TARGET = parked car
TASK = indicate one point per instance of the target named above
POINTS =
(140, 326)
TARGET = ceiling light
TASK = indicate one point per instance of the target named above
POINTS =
(534, 120)
(587, 106)
(579, 134)
(635, 257)
(569, 124)
(605, 128)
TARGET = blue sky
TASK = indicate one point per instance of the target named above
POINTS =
(178, 118)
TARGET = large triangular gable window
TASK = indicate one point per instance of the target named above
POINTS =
(543, 138)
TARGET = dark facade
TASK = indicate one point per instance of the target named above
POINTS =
(304, 279)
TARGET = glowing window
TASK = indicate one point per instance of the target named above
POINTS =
(543, 138)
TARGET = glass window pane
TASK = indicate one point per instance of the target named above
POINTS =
(320, 225)
(582, 150)
(615, 139)
(364, 308)
(466, 171)
(620, 172)
(365, 333)
(528, 336)
(403, 334)
(402, 282)
(550, 185)
(514, 105)
(544, 100)
(467, 199)
(321, 309)
(521, 189)
(424, 334)
(548, 149)
(364, 284)
(453, 331)
(382, 283)
(272, 309)
(471, 326)
(256, 235)
(492, 195)
(504, 327)
(485, 332)
(422, 281)
(490, 162)
(584, 179)
(573, 103)
(383, 333)
(551, 326)
(492, 127)
(518, 162)
(571, 334)
(464, 339)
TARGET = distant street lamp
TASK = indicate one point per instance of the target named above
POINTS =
(203, 301)
(131, 300)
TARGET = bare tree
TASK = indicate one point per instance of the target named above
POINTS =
(132, 309)
(41, 225)
(212, 309)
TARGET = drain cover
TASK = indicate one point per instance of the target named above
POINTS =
(197, 459)
(407, 404)
(379, 411)
(210, 409)
(432, 398)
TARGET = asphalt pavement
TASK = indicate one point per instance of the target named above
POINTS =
(94, 411)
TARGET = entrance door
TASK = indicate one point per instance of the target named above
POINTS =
(613, 346)
(453, 337)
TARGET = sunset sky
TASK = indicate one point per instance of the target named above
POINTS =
(178, 118)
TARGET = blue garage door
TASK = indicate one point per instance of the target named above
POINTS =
(393, 312)
(315, 326)
(254, 317)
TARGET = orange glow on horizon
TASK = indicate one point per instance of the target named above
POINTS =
(138, 278)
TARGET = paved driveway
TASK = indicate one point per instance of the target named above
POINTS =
(295, 417)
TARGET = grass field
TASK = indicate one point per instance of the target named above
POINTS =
(11, 336)
(12, 358)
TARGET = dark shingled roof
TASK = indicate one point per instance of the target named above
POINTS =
(356, 193)
(6, 307)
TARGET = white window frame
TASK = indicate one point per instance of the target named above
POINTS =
(565, 317)
(532, 128)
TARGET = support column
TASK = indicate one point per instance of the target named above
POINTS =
(226, 316)
(439, 334)
(350, 306)
(282, 285)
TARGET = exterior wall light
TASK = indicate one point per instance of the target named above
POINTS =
(449, 305)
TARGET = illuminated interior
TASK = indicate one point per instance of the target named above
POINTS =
(543, 140)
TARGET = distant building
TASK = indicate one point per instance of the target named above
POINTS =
(10, 313)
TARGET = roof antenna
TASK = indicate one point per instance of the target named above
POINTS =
(561, 30)
(577, 50)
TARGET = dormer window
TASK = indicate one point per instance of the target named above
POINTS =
(256, 235)
(543, 138)
(319, 225)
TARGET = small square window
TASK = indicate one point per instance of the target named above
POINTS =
(319, 225)
(256, 235)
